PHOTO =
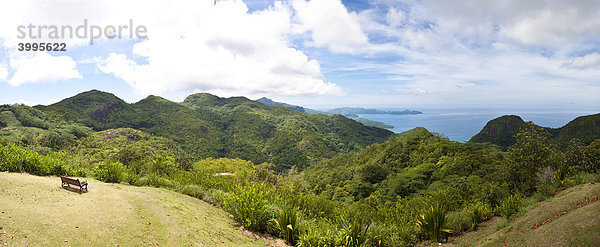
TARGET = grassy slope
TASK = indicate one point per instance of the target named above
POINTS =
(35, 210)
(579, 227)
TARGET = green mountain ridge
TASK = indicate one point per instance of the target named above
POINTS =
(501, 131)
(206, 126)
(270, 102)
(349, 112)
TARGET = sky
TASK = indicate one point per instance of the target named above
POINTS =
(316, 53)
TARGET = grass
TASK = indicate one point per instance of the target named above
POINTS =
(579, 226)
(36, 211)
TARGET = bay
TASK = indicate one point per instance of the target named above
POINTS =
(460, 124)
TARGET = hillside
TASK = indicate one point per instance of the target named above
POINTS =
(373, 123)
(405, 165)
(270, 102)
(584, 128)
(206, 126)
(36, 211)
(579, 226)
(501, 131)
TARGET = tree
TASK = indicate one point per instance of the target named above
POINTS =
(532, 152)
(583, 158)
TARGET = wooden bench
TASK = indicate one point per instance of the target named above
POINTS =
(67, 180)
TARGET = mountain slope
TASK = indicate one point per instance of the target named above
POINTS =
(584, 128)
(501, 131)
(205, 126)
(571, 218)
(270, 102)
(92, 108)
(36, 211)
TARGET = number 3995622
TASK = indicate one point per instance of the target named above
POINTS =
(42, 47)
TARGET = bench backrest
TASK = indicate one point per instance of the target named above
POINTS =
(70, 180)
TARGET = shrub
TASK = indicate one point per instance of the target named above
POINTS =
(355, 232)
(459, 221)
(287, 224)
(33, 163)
(478, 212)
(584, 177)
(131, 177)
(561, 176)
(433, 222)
(510, 205)
(143, 181)
(545, 190)
(193, 190)
(248, 206)
(402, 234)
(318, 236)
(110, 172)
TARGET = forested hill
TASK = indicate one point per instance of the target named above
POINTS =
(205, 125)
(270, 102)
(501, 131)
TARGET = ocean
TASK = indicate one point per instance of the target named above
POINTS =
(462, 124)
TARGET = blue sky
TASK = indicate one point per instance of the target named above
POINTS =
(316, 53)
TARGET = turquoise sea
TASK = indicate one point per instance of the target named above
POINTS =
(461, 124)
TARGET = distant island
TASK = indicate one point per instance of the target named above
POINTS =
(349, 112)
(373, 123)
(354, 111)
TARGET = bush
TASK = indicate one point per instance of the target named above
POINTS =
(433, 222)
(248, 205)
(402, 234)
(478, 212)
(288, 226)
(193, 190)
(110, 172)
(318, 236)
(355, 232)
(131, 177)
(545, 190)
(510, 205)
(459, 221)
(585, 177)
(143, 181)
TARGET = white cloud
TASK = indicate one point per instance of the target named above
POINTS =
(539, 23)
(3, 72)
(221, 48)
(395, 17)
(41, 67)
(191, 45)
(331, 25)
(409, 90)
(588, 61)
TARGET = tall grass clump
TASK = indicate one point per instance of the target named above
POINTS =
(510, 205)
(433, 222)
(478, 212)
(248, 206)
(288, 226)
(355, 232)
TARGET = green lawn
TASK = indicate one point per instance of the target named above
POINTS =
(37, 211)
